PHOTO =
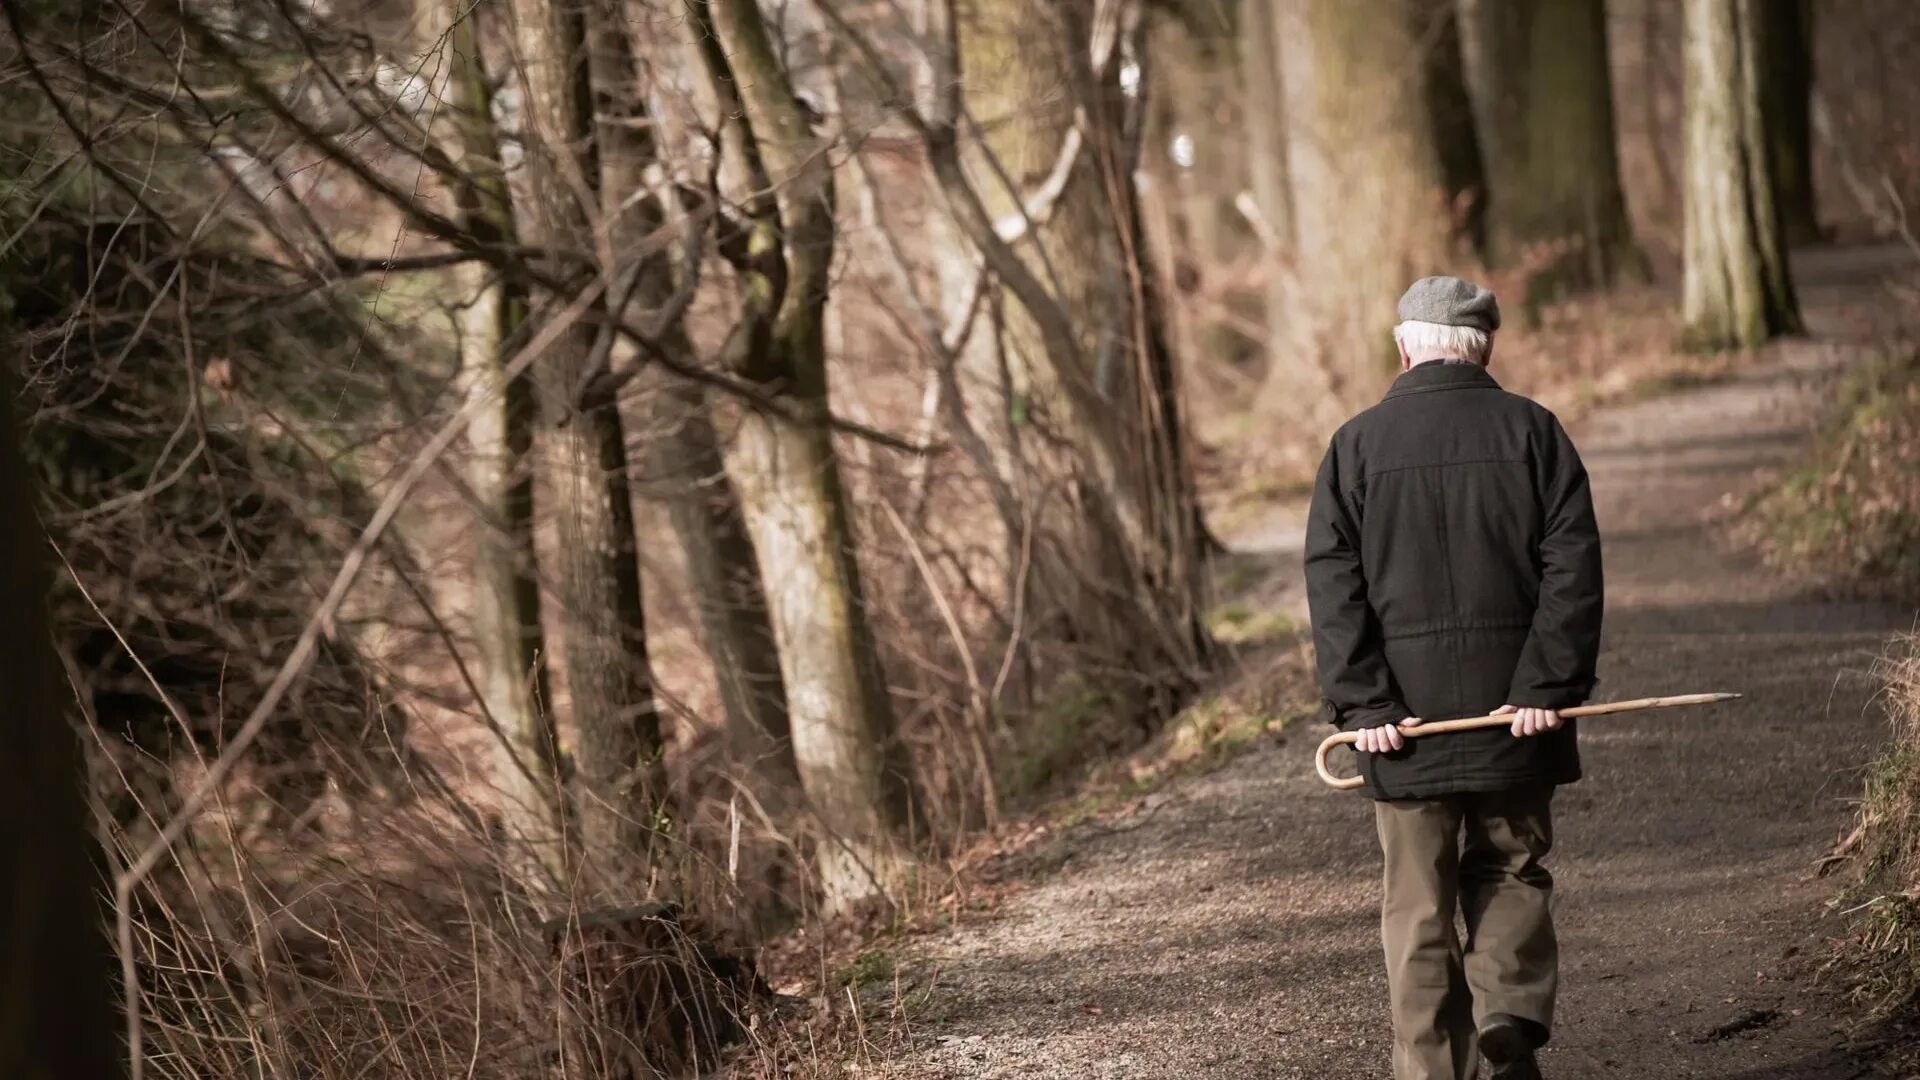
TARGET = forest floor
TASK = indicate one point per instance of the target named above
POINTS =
(1230, 928)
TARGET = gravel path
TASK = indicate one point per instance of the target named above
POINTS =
(1231, 931)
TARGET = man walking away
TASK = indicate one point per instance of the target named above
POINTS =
(1453, 569)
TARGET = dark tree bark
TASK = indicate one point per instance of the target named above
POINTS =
(1738, 292)
(618, 786)
(1543, 105)
(689, 478)
(684, 454)
(1174, 564)
(56, 984)
(1786, 84)
(1450, 111)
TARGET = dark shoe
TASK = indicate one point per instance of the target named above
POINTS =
(1508, 1042)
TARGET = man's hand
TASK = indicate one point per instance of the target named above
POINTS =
(1385, 738)
(1530, 721)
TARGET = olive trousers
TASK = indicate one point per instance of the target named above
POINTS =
(1479, 854)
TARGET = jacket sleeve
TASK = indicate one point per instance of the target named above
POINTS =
(1556, 669)
(1347, 645)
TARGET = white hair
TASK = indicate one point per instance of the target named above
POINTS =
(1438, 341)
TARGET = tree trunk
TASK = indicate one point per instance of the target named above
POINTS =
(512, 665)
(1192, 86)
(1786, 83)
(619, 788)
(56, 984)
(1450, 114)
(851, 762)
(1019, 61)
(704, 511)
(1263, 85)
(1542, 97)
(1361, 155)
(1738, 292)
(1264, 89)
(703, 508)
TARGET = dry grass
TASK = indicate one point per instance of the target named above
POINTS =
(1848, 522)
(1850, 519)
(408, 945)
(1883, 945)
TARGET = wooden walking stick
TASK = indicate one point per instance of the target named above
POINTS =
(1348, 738)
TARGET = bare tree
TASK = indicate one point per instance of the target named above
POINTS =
(1058, 114)
(1264, 85)
(684, 451)
(1738, 292)
(1039, 192)
(723, 577)
(619, 788)
(683, 459)
(850, 760)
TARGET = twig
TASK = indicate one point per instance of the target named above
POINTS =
(976, 694)
(1019, 606)
(302, 653)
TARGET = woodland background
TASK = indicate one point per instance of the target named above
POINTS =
(558, 511)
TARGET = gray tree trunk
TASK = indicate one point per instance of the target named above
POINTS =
(1538, 75)
(851, 762)
(56, 979)
(722, 574)
(1737, 289)
(512, 668)
(618, 783)
(1372, 212)
(687, 476)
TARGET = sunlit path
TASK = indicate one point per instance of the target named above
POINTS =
(1232, 932)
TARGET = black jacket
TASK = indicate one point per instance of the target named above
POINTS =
(1453, 566)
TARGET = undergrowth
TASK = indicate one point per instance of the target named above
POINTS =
(1849, 519)
(1882, 900)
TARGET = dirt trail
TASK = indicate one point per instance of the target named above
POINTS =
(1231, 931)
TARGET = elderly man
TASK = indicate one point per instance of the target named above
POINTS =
(1453, 569)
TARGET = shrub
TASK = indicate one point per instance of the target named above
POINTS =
(1883, 900)
(1850, 518)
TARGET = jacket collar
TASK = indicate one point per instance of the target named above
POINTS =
(1438, 375)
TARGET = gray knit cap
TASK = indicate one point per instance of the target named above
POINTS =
(1450, 301)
